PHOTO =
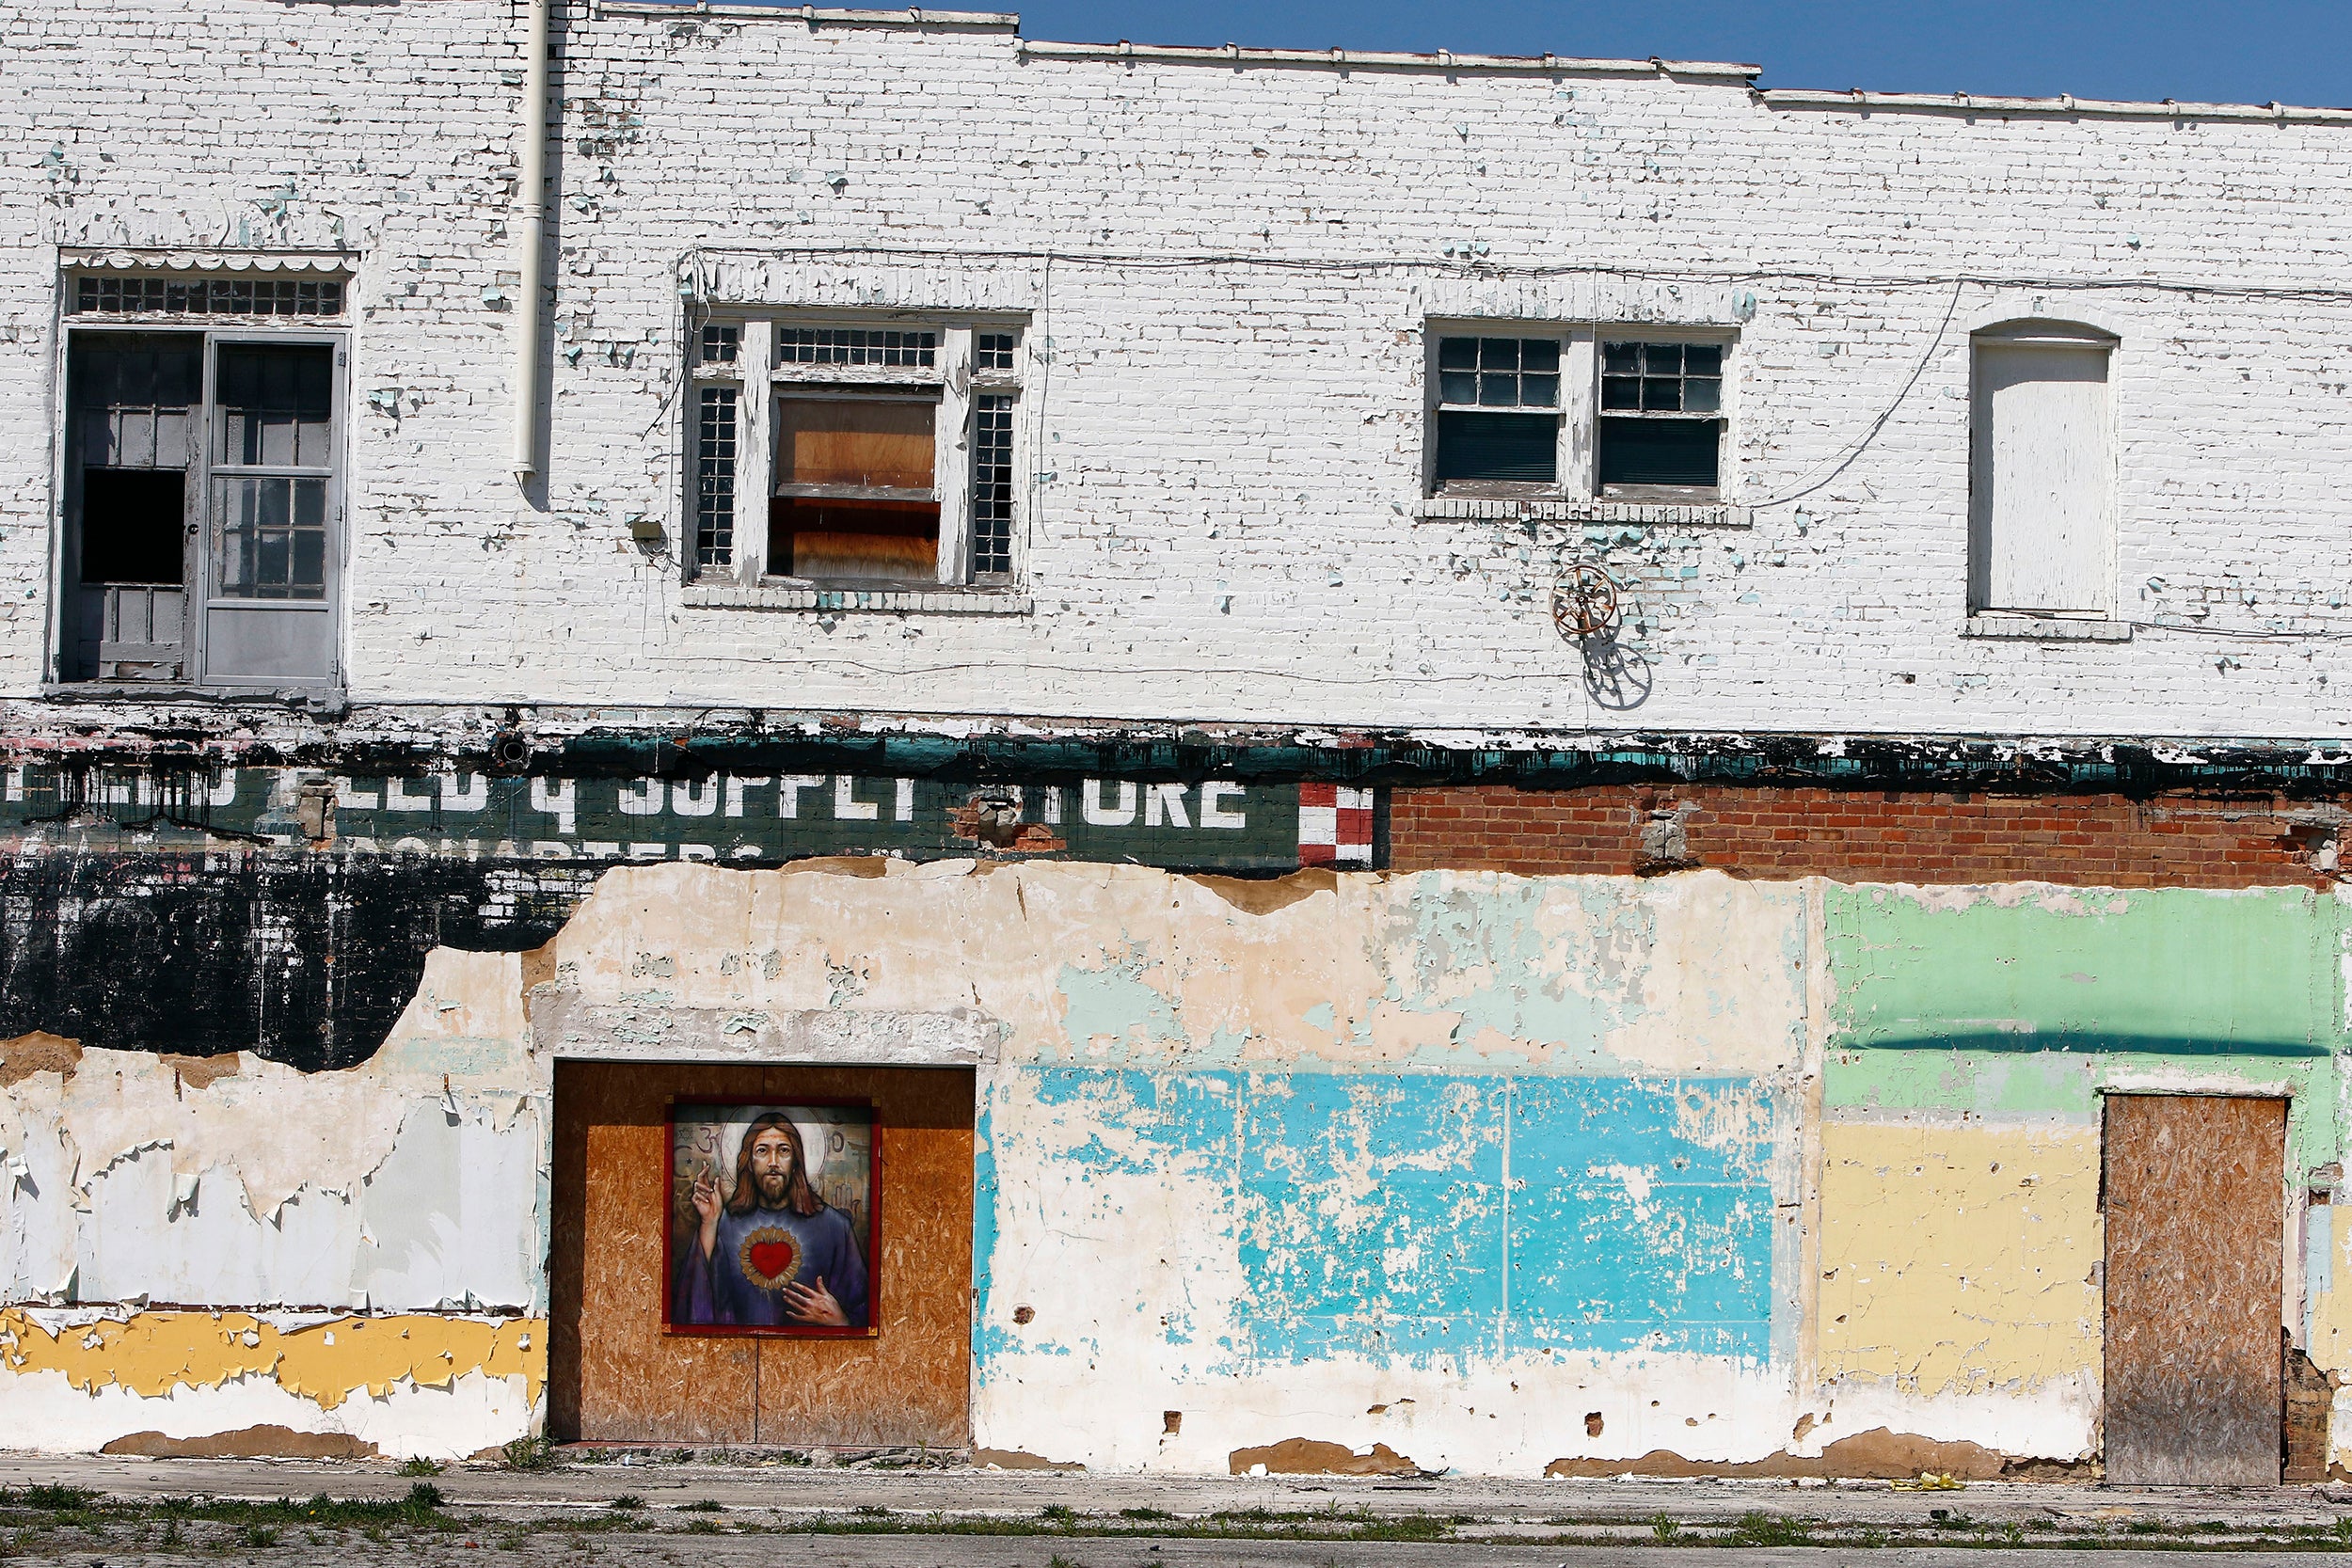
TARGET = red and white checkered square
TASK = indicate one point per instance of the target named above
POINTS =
(1334, 825)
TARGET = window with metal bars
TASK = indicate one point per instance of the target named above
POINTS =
(857, 346)
(714, 479)
(109, 294)
(991, 485)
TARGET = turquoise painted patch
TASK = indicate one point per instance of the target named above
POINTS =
(1428, 1218)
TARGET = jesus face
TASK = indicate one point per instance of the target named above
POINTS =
(772, 1166)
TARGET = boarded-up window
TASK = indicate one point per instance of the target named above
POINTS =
(854, 493)
(2041, 471)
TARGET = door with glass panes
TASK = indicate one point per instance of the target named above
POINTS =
(203, 499)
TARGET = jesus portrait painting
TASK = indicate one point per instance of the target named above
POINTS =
(771, 1216)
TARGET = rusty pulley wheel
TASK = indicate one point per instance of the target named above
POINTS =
(1584, 602)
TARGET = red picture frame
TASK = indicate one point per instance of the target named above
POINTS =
(771, 1250)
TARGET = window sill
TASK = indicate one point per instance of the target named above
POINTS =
(320, 694)
(800, 596)
(1642, 514)
(2046, 628)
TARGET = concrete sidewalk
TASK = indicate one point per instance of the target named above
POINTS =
(783, 1490)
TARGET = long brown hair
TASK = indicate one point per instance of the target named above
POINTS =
(798, 1195)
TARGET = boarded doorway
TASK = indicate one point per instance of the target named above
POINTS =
(2195, 1250)
(616, 1376)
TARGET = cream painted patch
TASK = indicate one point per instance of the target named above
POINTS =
(1959, 1259)
(1127, 966)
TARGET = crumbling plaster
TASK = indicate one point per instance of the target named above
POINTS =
(1444, 1161)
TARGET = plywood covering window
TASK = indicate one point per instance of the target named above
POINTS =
(1560, 412)
(856, 489)
(2041, 472)
(873, 455)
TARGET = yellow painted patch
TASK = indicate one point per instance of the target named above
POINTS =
(1959, 1259)
(152, 1353)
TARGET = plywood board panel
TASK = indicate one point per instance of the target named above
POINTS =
(617, 1376)
(2195, 1254)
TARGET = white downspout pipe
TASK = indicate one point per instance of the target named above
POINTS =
(531, 237)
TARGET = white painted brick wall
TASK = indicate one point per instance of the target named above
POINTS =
(1232, 420)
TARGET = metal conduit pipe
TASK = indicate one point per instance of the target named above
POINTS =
(530, 234)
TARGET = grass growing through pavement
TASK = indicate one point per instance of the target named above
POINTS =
(425, 1515)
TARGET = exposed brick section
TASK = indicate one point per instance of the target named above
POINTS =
(1866, 835)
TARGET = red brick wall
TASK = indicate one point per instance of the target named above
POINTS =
(1863, 835)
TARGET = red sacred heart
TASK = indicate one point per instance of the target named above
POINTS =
(770, 1256)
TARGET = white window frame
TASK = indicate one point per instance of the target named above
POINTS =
(212, 331)
(1577, 464)
(956, 381)
(2023, 337)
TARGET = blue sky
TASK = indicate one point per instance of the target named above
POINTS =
(2290, 51)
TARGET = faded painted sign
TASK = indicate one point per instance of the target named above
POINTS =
(1207, 823)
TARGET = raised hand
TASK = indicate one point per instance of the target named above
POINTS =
(707, 1205)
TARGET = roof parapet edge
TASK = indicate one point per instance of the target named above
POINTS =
(2065, 105)
(912, 16)
(1444, 59)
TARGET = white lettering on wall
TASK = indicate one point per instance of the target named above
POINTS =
(1215, 815)
(1164, 806)
(554, 795)
(641, 798)
(846, 807)
(1099, 816)
(788, 791)
(396, 797)
(735, 791)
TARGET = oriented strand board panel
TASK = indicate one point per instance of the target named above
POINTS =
(2195, 1244)
(617, 1377)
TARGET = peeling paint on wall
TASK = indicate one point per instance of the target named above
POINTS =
(1496, 1172)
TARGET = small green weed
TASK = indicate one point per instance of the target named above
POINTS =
(258, 1535)
(703, 1526)
(60, 1499)
(419, 1465)
(2145, 1527)
(702, 1505)
(627, 1500)
(1758, 1529)
(1665, 1529)
(1874, 1539)
(530, 1454)
(1145, 1513)
(1058, 1514)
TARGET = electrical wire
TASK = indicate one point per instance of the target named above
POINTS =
(1167, 261)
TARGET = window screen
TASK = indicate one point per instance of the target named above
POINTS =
(1478, 380)
(1659, 423)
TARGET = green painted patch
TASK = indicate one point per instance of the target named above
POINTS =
(2173, 973)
